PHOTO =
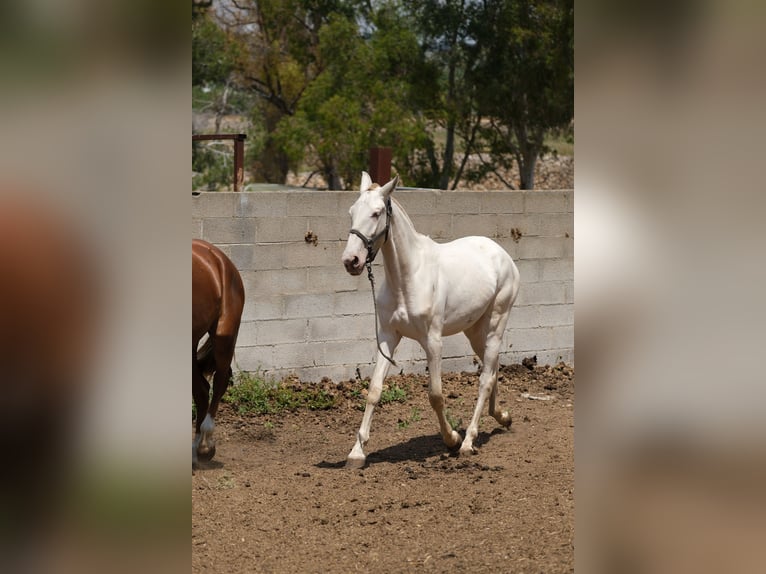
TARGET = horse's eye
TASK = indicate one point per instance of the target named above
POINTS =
(376, 214)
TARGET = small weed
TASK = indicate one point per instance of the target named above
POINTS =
(268, 425)
(393, 394)
(414, 417)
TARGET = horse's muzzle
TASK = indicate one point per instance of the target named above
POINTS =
(353, 265)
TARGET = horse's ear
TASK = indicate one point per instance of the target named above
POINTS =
(389, 188)
(366, 182)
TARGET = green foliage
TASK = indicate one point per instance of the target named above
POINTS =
(213, 55)
(525, 54)
(435, 80)
(393, 394)
(359, 100)
(251, 394)
(414, 417)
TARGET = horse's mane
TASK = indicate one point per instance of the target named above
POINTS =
(404, 214)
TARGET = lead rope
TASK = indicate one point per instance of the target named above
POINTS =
(375, 306)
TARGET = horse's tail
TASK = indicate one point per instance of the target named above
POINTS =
(205, 358)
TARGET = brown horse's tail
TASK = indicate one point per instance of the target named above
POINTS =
(206, 359)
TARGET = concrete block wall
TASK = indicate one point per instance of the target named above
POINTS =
(305, 315)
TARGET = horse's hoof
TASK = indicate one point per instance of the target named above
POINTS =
(206, 455)
(467, 450)
(454, 441)
(355, 462)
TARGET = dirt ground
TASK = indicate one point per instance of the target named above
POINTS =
(277, 497)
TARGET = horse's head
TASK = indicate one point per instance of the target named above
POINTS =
(370, 220)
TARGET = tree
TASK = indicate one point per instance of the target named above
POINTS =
(360, 99)
(525, 60)
(447, 98)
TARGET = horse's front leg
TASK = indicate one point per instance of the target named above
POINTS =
(433, 348)
(388, 342)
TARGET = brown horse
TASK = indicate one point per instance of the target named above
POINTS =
(218, 298)
(50, 295)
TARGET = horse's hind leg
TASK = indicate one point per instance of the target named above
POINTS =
(492, 328)
(223, 353)
(201, 397)
(433, 348)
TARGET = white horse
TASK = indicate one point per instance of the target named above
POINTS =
(430, 290)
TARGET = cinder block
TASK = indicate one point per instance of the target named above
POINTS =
(279, 229)
(542, 293)
(225, 230)
(247, 336)
(417, 202)
(502, 202)
(295, 356)
(557, 269)
(512, 248)
(331, 229)
(349, 352)
(259, 307)
(281, 331)
(563, 337)
(307, 255)
(510, 225)
(552, 224)
(354, 303)
(542, 247)
(459, 365)
(213, 204)
(335, 279)
(196, 228)
(458, 202)
(569, 289)
(253, 359)
(309, 305)
(436, 226)
(529, 270)
(456, 346)
(316, 203)
(556, 315)
(524, 340)
(254, 204)
(340, 328)
(524, 317)
(465, 225)
(547, 202)
(250, 257)
(275, 282)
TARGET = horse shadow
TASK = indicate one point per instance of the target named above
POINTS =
(416, 449)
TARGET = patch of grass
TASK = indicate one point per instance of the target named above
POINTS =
(393, 394)
(414, 417)
(252, 394)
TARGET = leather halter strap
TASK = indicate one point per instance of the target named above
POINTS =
(369, 242)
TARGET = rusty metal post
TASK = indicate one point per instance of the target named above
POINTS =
(239, 161)
(380, 164)
(239, 153)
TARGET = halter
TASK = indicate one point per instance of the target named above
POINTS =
(369, 243)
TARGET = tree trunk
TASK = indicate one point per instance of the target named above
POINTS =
(449, 146)
(527, 172)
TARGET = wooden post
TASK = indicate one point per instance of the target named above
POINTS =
(380, 164)
(239, 153)
(239, 161)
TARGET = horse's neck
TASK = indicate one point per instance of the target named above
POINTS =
(402, 253)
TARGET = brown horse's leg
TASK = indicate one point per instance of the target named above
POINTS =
(201, 396)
